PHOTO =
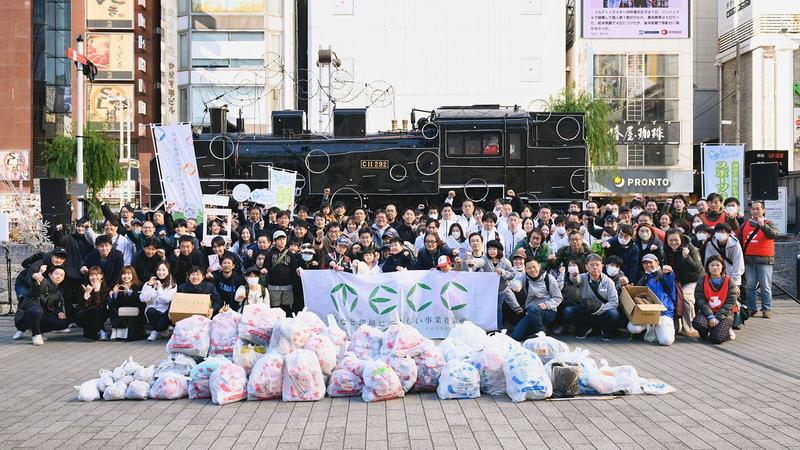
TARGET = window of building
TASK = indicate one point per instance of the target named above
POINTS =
(514, 146)
(183, 7)
(471, 143)
(224, 36)
(183, 104)
(276, 8)
(640, 87)
(209, 63)
(183, 51)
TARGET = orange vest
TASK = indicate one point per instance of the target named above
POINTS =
(759, 245)
(716, 299)
(708, 222)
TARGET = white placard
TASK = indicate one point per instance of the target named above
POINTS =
(224, 215)
(776, 210)
(4, 227)
(264, 196)
(216, 200)
(241, 192)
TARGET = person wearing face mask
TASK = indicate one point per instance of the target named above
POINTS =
(457, 233)
(636, 209)
(700, 237)
(726, 245)
(612, 266)
(734, 209)
(541, 295)
(598, 302)
(662, 283)
(684, 258)
(597, 245)
(648, 243)
(622, 245)
(252, 291)
(560, 237)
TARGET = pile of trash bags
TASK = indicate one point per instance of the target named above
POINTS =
(263, 355)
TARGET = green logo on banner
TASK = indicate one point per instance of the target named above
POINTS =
(347, 291)
(410, 300)
(378, 302)
(447, 304)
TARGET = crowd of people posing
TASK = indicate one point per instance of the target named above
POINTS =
(561, 272)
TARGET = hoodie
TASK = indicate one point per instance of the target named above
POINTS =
(731, 253)
(629, 254)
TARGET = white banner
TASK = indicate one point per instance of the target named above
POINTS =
(179, 177)
(776, 211)
(723, 170)
(429, 300)
(282, 183)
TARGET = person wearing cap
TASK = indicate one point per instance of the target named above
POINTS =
(662, 283)
(252, 291)
(539, 292)
(281, 267)
(444, 264)
(598, 301)
(337, 259)
(518, 262)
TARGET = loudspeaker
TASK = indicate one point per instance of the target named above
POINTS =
(350, 122)
(764, 181)
(219, 120)
(288, 123)
(53, 195)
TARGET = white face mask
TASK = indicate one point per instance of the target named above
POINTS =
(624, 241)
(561, 230)
(721, 236)
(307, 257)
(573, 270)
(612, 271)
(682, 230)
(636, 212)
(252, 281)
(701, 236)
(615, 214)
(433, 216)
(456, 234)
(605, 238)
(731, 209)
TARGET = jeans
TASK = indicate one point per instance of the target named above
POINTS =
(504, 296)
(38, 322)
(761, 274)
(608, 321)
(22, 291)
(158, 320)
(533, 322)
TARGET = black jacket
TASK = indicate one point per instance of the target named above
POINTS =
(226, 287)
(180, 265)
(203, 288)
(112, 266)
(427, 260)
(402, 259)
(280, 269)
(47, 295)
(145, 267)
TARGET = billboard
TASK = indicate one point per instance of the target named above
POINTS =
(112, 54)
(731, 14)
(109, 14)
(14, 165)
(100, 112)
(228, 6)
(723, 170)
(636, 19)
(169, 63)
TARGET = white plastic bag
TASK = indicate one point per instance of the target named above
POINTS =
(116, 391)
(564, 377)
(337, 336)
(191, 336)
(316, 324)
(178, 363)
(625, 379)
(655, 387)
(170, 386)
(289, 335)
(366, 342)
(130, 366)
(224, 333)
(228, 384)
(380, 382)
(257, 322)
(302, 377)
(459, 379)
(470, 334)
(87, 391)
(266, 378)
(405, 368)
(245, 354)
(402, 340)
(145, 374)
(106, 379)
(429, 368)
(545, 347)
(589, 369)
(137, 390)
(526, 378)
(325, 350)
(452, 349)
(344, 383)
(118, 373)
(352, 363)
(198, 377)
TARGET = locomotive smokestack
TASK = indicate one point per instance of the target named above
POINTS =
(394, 125)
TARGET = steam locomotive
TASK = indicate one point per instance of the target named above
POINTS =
(478, 151)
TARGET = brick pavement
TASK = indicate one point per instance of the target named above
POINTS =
(743, 394)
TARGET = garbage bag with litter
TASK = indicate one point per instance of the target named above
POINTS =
(526, 378)
(344, 383)
(245, 354)
(289, 335)
(302, 377)
(177, 363)
(257, 322)
(325, 350)
(228, 384)
(564, 376)
(87, 391)
(405, 368)
(145, 374)
(129, 366)
(470, 334)
(116, 391)
(315, 324)
(459, 379)
(402, 340)
(366, 342)
(545, 347)
(429, 368)
(106, 379)
(489, 362)
(170, 386)
(198, 377)
(380, 382)
(191, 336)
(335, 333)
(224, 333)
(137, 390)
(266, 378)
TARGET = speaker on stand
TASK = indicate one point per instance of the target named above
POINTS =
(53, 201)
(764, 181)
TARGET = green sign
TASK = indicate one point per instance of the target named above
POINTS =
(796, 89)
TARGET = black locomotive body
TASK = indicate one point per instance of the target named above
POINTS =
(480, 152)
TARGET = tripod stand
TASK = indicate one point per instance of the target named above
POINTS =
(8, 279)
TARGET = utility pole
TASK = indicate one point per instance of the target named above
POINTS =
(79, 133)
(738, 88)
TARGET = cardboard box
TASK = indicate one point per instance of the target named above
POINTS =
(187, 305)
(641, 314)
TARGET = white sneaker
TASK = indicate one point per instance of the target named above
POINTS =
(65, 330)
(103, 335)
(37, 340)
(122, 333)
(113, 333)
(733, 335)
(18, 335)
(153, 335)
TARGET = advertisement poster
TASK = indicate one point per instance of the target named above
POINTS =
(228, 6)
(635, 19)
(109, 14)
(112, 53)
(178, 165)
(723, 170)
(429, 300)
(100, 112)
(776, 211)
(14, 165)
(282, 183)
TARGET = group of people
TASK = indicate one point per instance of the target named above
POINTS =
(559, 271)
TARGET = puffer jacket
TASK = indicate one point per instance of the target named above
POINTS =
(687, 268)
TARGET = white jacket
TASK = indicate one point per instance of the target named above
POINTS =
(158, 298)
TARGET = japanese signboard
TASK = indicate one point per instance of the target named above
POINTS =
(109, 14)
(429, 300)
(731, 14)
(723, 170)
(179, 176)
(112, 54)
(637, 19)
(14, 165)
(169, 63)
(649, 133)
(282, 183)
(228, 6)
(101, 113)
(776, 211)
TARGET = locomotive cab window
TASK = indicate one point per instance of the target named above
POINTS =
(474, 143)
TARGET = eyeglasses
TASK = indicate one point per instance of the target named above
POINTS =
(430, 242)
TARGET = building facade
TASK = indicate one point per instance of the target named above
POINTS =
(423, 54)
(640, 60)
(238, 53)
(759, 55)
